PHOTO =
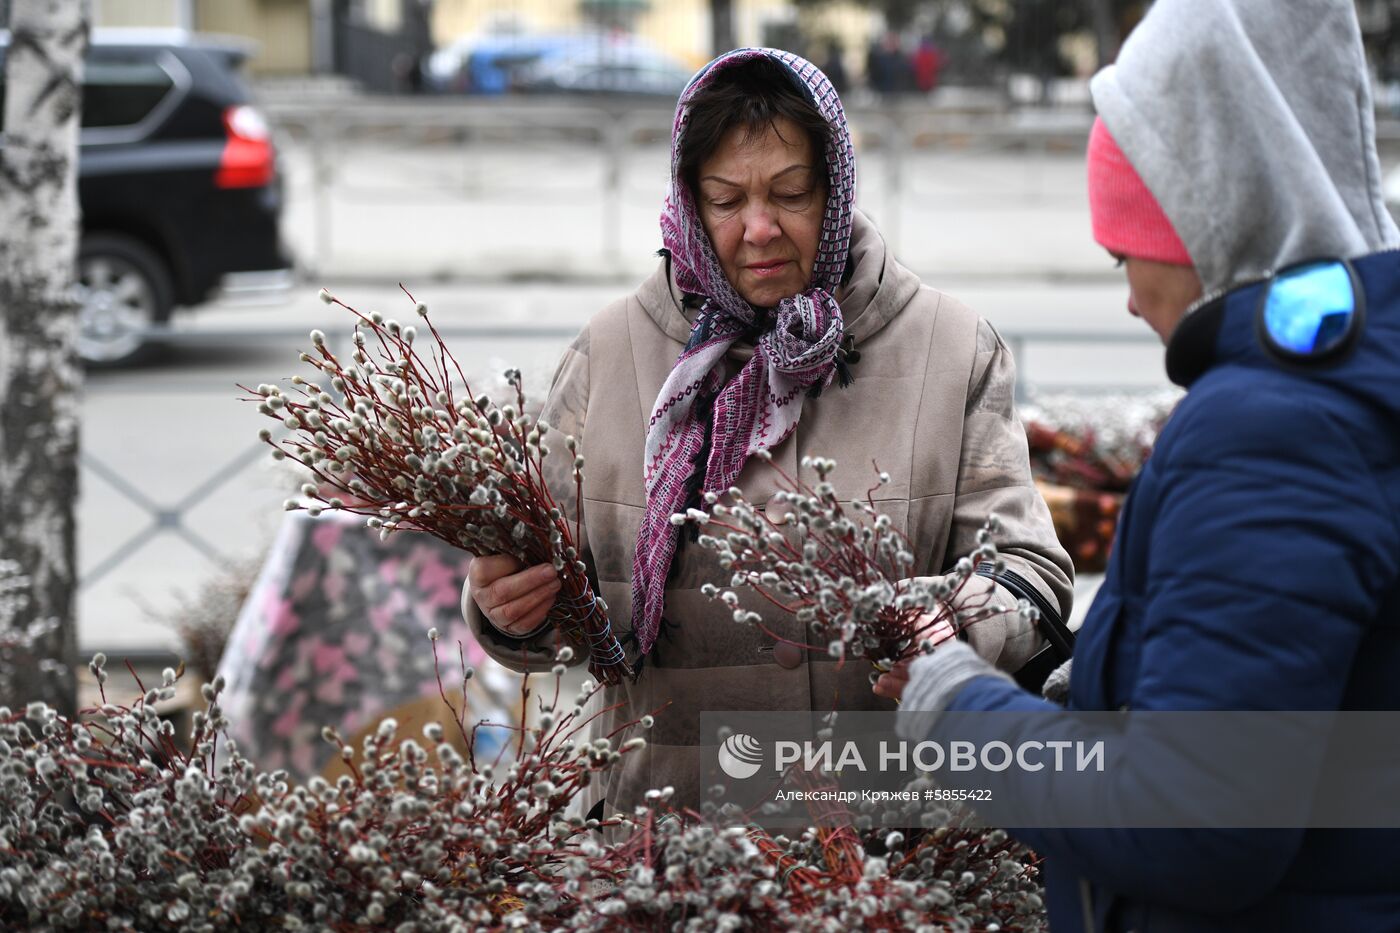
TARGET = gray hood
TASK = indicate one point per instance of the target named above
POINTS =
(1251, 122)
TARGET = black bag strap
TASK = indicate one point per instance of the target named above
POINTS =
(1060, 647)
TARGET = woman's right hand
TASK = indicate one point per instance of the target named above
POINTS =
(515, 599)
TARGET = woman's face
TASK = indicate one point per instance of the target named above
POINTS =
(761, 201)
(1160, 292)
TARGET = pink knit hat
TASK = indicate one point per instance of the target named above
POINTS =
(1127, 218)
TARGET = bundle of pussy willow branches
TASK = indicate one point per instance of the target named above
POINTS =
(400, 436)
(842, 569)
(112, 820)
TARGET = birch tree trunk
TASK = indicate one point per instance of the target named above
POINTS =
(40, 376)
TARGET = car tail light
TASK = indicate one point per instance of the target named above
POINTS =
(248, 160)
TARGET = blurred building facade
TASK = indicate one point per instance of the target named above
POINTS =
(681, 28)
(382, 44)
(376, 42)
(281, 28)
(308, 36)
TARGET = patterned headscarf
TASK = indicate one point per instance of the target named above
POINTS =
(701, 422)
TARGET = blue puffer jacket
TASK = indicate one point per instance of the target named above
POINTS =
(1257, 567)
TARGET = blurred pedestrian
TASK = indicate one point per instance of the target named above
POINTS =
(887, 67)
(834, 66)
(777, 320)
(1233, 171)
(407, 71)
(927, 65)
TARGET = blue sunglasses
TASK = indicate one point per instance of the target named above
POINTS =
(1312, 313)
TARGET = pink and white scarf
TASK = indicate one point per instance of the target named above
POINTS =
(795, 355)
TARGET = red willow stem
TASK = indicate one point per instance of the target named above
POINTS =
(442, 692)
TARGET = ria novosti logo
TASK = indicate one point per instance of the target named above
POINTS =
(740, 756)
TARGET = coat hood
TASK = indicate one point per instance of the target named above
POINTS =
(879, 288)
(1251, 122)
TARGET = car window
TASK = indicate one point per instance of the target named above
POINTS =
(610, 78)
(117, 90)
(122, 91)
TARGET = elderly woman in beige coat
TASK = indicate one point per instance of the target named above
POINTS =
(776, 320)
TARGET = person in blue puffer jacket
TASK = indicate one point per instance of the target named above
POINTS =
(1257, 565)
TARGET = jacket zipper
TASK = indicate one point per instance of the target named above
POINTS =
(1086, 901)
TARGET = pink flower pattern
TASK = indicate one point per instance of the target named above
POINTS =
(338, 637)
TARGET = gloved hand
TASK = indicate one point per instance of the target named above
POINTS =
(1056, 686)
(932, 683)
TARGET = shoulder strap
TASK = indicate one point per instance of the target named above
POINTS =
(1032, 674)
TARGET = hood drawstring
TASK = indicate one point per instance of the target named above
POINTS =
(846, 356)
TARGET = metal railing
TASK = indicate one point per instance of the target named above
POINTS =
(329, 133)
(1020, 341)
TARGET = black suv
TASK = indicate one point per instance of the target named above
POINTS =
(178, 184)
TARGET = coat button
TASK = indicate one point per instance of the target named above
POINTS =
(787, 655)
(778, 511)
